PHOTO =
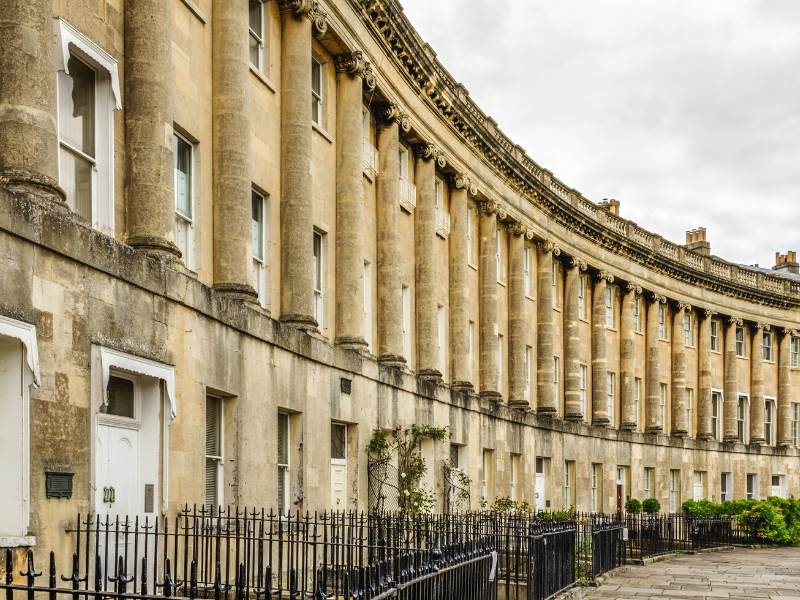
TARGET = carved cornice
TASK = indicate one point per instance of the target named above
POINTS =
(464, 181)
(309, 9)
(430, 152)
(565, 207)
(389, 113)
(355, 65)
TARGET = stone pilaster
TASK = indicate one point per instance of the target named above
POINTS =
(785, 398)
(652, 371)
(231, 150)
(545, 398)
(600, 414)
(516, 317)
(629, 416)
(297, 252)
(427, 157)
(704, 407)
(573, 411)
(28, 131)
(487, 276)
(680, 426)
(352, 73)
(149, 168)
(730, 381)
(757, 435)
(461, 377)
(390, 305)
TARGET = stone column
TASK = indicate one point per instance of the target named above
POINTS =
(600, 414)
(545, 399)
(629, 417)
(516, 317)
(462, 187)
(652, 371)
(427, 158)
(785, 388)
(757, 385)
(573, 411)
(680, 426)
(297, 251)
(390, 302)
(352, 73)
(704, 407)
(231, 150)
(487, 276)
(731, 381)
(149, 167)
(28, 130)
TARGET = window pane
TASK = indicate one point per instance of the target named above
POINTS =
(338, 441)
(76, 106)
(120, 397)
(255, 17)
(257, 225)
(76, 179)
(316, 78)
(183, 176)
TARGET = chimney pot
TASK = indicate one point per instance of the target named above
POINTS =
(787, 262)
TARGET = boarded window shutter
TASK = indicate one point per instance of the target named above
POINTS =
(213, 450)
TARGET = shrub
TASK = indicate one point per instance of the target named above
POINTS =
(702, 509)
(633, 506)
(651, 506)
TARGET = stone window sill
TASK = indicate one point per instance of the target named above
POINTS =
(13, 541)
(263, 79)
(322, 132)
(472, 266)
(531, 298)
(639, 333)
(196, 10)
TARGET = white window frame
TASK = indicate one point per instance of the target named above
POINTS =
(581, 297)
(751, 486)
(516, 460)
(716, 422)
(487, 476)
(770, 426)
(690, 411)
(662, 322)
(637, 314)
(527, 261)
(554, 283)
(725, 486)
(318, 117)
(499, 361)
(471, 344)
(260, 273)
(741, 351)
(528, 373)
(284, 469)
(698, 485)
(794, 352)
(767, 346)
(441, 339)
(714, 333)
(25, 333)
(583, 375)
(781, 492)
(319, 275)
(406, 300)
(663, 399)
(795, 422)
(688, 333)
(498, 255)
(743, 418)
(262, 38)
(567, 499)
(219, 458)
(189, 254)
(597, 482)
(674, 489)
(610, 392)
(637, 398)
(107, 95)
(610, 324)
(368, 312)
(470, 242)
(556, 390)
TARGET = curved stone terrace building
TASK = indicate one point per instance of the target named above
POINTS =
(237, 237)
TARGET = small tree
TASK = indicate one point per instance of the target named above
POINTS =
(633, 506)
(651, 506)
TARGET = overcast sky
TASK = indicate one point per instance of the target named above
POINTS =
(687, 111)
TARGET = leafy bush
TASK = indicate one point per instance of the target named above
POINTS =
(632, 505)
(774, 521)
(507, 505)
(651, 506)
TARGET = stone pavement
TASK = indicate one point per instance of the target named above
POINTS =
(741, 573)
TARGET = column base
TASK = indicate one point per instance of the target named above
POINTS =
(601, 421)
(519, 404)
(236, 291)
(392, 360)
(547, 411)
(430, 374)
(679, 433)
(727, 439)
(462, 386)
(651, 429)
(628, 426)
(31, 182)
(351, 342)
(300, 321)
(574, 417)
(490, 395)
(784, 444)
(705, 437)
(758, 442)
(155, 246)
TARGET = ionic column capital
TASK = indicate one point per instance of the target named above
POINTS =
(633, 287)
(604, 276)
(547, 246)
(683, 306)
(428, 151)
(791, 332)
(735, 321)
(309, 9)
(656, 298)
(709, 313)
(758, 325)
(390, 112)
(462, 180)
(354, 64)
(577, 263)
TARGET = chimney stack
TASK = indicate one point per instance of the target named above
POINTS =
(696, 241)
(787, 263)
(611, 206)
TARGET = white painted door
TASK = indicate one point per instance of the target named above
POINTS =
(539, 491)
(338, 486)
(118, 491)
